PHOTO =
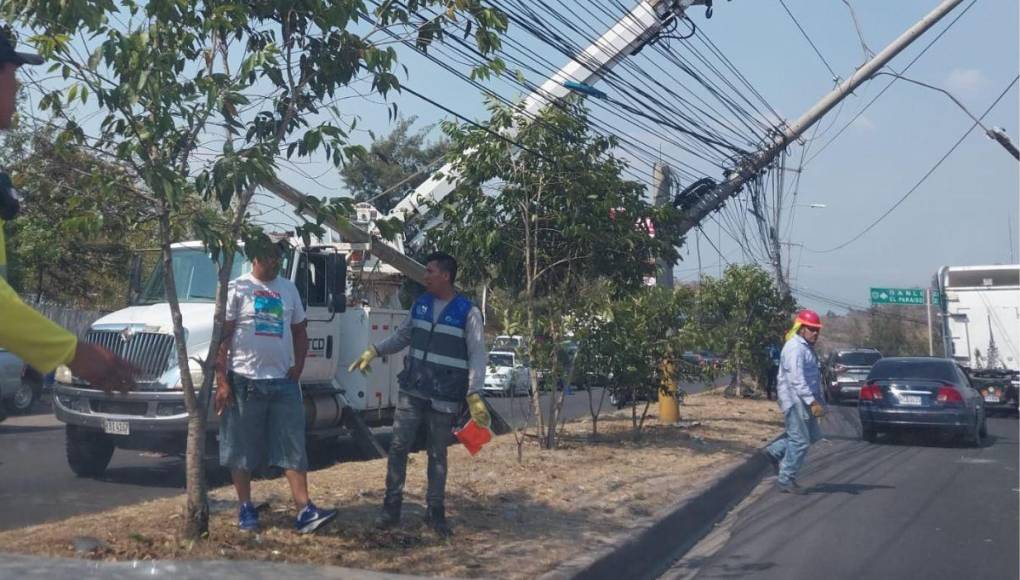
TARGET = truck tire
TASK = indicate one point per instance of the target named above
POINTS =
(88, 450)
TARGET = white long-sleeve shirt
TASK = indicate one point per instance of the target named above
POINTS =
(799, 376)
(474, 335)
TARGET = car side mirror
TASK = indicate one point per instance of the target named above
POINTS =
(336, 273)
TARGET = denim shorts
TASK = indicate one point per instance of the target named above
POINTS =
(264, 425)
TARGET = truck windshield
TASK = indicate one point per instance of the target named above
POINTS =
(194, 275)
(500, 359)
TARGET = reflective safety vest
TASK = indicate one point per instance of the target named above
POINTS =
(438, 358)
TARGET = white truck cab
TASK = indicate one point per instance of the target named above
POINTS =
(347, 309)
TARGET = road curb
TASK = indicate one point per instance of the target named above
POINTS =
(649, 550)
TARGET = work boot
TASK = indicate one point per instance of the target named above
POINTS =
(791, 488)
(389, 517)
(435, 519)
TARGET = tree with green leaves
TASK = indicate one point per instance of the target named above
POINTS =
(542, 215)
(73, 242)
(393, 166)
(740, 314)
(207, 99)
(634, 339)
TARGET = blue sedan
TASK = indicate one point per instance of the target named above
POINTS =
(921, 393)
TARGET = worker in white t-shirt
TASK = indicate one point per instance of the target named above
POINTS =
(257, 392)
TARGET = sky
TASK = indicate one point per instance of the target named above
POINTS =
(965, 213)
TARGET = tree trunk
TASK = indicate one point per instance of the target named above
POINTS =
(196, 518)
(196, 524)
(644, 415)
(536, 400)
(550, 436)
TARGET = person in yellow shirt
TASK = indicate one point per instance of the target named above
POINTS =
(39, 341)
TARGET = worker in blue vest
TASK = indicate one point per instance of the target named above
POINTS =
(444, 369)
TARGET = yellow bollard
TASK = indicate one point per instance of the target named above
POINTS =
(669, 408)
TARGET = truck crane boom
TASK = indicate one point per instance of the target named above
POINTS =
(626, 37)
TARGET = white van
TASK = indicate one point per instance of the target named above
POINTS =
(506, 375)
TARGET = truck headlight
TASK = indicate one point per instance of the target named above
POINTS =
(64, 375)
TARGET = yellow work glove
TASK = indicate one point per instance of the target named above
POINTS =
(364, 360)
(479, 413)
(817, 409)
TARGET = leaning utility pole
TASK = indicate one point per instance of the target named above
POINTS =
(661, 181)
(669, 405)
(752, 165)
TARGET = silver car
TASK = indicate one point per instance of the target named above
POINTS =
(17, 393)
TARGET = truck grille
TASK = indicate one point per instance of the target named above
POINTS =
(150, 352)
(119, 407)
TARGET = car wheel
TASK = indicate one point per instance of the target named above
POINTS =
(869, 435)
(983, 431)
(975, 437)
(88, 450)
(21, 402)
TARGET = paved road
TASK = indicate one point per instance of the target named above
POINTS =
(910, 507)
(37, 486)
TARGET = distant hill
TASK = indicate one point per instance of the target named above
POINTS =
(894, 330)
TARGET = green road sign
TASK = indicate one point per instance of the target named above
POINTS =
(897, 296)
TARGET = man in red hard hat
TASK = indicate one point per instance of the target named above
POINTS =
(799, 388)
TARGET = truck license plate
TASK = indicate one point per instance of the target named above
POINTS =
(910, 400)
(116, 427)
(991, 399)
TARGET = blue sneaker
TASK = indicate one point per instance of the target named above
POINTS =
(248, 518)
(312, 518)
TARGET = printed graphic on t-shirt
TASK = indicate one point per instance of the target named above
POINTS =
(268, 314)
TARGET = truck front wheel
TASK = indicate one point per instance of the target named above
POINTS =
(88, 450)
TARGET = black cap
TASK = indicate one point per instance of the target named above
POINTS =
(8, 54)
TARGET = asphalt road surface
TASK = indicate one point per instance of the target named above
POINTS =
(37, 486)
(908, 507)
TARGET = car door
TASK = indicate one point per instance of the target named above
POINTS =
(312, 281)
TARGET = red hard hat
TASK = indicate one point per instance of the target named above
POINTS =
(809, 318)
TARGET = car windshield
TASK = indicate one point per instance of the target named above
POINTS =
(857, 359)
(506, 342)
(500, 359)
(194, 276)
(935, 370)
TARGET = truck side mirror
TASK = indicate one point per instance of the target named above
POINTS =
(336, 276)
(135, 279)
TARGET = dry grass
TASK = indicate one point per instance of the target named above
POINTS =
(512, 520)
